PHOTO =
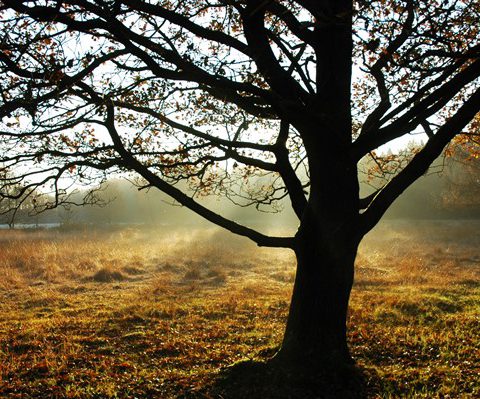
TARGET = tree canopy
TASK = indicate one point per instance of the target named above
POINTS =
(212, 93)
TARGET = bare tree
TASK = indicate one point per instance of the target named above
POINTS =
(211, 93)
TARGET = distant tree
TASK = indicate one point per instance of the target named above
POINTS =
(461, 183)
(8, 202)
(14, 204)
(210, 94)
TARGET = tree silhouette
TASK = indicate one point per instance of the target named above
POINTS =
(198, 97)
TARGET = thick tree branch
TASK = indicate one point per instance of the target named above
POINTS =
(294, 62)
(365, 202)
(420, 111)
(131, 163)
(295, 26)
(290, 178)
(420, 163)
(257, 38)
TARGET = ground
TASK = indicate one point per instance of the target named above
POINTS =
(154, 313)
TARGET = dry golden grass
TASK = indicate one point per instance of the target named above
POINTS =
(126, 313)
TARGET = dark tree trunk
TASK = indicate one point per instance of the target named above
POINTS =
(326, 247)
(316, 328)
(328, 238)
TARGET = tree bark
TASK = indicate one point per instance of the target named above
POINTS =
(316, 334)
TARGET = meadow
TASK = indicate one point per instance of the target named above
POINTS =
(153, 313)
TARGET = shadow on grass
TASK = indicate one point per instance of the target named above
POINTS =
(253, 379)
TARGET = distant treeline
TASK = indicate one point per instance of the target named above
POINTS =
(451, 191)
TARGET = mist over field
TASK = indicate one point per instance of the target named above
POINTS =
(451, 190)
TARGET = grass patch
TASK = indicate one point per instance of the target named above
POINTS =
(174, 310)
(107, 275)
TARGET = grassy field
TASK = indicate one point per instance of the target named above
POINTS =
(130, 313)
